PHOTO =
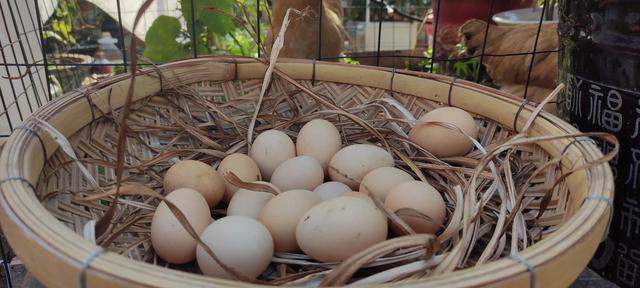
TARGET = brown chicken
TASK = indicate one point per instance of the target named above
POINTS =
(301, 39)
(510, 72)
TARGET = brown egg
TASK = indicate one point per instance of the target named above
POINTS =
(270, 149)
(169, 239)
(331, 189)
(338, 228)
(198, 176)
(442, 141)
(242, 166)
(379, 181)
(241, 243)
(248, 203)
(281, 215)
(319, 139)
(302, 172)
(421, 197)
(352, 163)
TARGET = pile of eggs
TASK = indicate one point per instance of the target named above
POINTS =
(328, 221)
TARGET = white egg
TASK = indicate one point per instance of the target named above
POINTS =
(331, 189)
(241, 243)
(270, 149)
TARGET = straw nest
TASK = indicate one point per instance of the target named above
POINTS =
(502, 198)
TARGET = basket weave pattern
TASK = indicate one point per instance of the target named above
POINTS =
(158, 133)
(203, 111)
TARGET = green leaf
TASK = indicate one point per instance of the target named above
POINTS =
(55, 25)
(350, 61)
(202, 49)
(47, 34)
(161, 43)
(213, 14)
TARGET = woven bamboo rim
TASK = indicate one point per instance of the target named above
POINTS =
(55, 254)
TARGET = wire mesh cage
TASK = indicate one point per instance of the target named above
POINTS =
(51, 47)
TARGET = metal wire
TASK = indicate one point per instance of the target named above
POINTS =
(435, 37)
(484, 41)
(194, 37)
(24, 54)
(25, 34)
(535, 46)
(124, 50)
(320, 30)
(4, 106)
(397, 11)
(258, 14)
(379, 33)
(441, 59)
(44, 54)
(6, 67)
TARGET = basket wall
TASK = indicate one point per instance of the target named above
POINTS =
(215, 80)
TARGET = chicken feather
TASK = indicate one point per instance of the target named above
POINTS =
(510, 72)
(302, 35)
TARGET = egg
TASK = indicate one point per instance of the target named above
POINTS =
(248, 203)
(241, 243)
(331, 189)
(319, 139)
(302, 172)
(442, 141)
(421, 197)
(197, 176)
(242, 166)
(357, 194)
(169, 239)
(352, 163)
(281, 215)
(379, 181)
(338, 228)
(270, 149)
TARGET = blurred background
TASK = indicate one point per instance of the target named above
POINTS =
(83, 41)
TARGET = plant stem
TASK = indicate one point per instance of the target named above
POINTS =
(238, 43)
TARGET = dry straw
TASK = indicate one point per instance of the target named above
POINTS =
(502, 199)
(518, 193)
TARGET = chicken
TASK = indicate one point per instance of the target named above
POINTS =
(510, 72)
(301, 38)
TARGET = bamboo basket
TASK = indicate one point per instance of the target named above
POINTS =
(43, 223)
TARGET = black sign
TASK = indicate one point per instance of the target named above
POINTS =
(600, 64)
(593, 106)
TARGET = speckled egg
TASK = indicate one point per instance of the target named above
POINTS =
(338, 228)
